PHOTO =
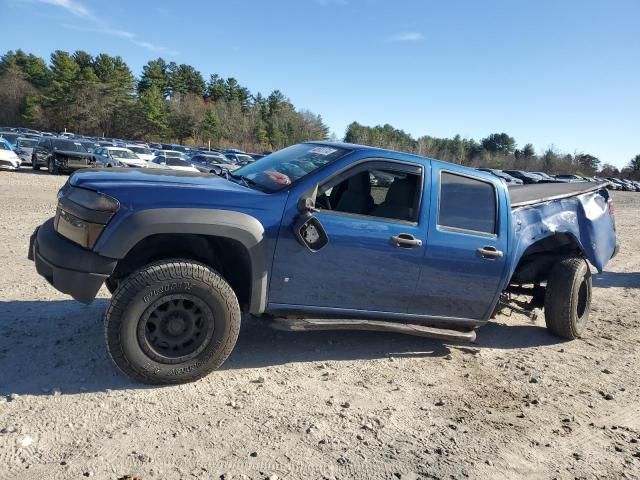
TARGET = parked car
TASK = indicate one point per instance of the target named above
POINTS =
(632, 185)
(117, 157)
(436, 253)
(10, 137)
(526, 177)
(8, 158)
(89, 145)
(24, 149)
(239, 157)
(142, 152)
(171, 153)
(212, 163)
(546, 177)
(570, 178)
(619, 183)
(173, 163)
(60, 155)
(508, 179)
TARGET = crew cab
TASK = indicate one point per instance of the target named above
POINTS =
(318, 236)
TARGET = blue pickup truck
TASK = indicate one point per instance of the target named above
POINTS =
(317, 236)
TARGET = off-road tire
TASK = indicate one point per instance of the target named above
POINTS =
(34, 163)
(138, 293)
(568, 298)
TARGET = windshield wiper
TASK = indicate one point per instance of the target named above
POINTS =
(246, 181)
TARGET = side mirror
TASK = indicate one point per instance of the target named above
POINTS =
(310, 232)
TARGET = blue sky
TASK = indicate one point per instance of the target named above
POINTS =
(550, 72)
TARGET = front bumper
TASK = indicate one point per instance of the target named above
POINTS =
(84, 271)
(9, 165)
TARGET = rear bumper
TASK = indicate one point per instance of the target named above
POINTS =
(84, 271)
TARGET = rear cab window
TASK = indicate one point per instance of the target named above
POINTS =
(467, 205)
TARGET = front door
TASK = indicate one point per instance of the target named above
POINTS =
(373, 219)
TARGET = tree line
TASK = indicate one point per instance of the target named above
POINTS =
(100, 96)
(497, 150)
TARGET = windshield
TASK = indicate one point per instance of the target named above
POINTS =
(213, 159)
(27, 143)
(123, 154)
(177, 162)
(142, 150)
(276, 171)
(68, 146)
(10, 137)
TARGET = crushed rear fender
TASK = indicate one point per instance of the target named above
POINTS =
(584, 217)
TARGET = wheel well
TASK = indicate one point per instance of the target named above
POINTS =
(538, 259)
(227, 256)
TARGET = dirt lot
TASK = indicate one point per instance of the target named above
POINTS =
(518, 404)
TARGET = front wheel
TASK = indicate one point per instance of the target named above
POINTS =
(52, 167)
(568, 298)
(173, 321)
(34, 163)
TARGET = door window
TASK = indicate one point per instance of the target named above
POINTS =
(467, 204)
(384, 192)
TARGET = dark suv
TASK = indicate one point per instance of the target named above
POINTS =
(60, 155)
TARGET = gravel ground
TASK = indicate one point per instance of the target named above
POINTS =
(518, 404)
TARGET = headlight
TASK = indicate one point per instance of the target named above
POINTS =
(82, 214)
(91, 200)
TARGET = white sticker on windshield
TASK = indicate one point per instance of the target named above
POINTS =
(323, 150)
(76, 143)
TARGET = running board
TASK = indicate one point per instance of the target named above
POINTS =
(302, 324)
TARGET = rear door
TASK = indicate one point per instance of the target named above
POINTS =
(465, 257)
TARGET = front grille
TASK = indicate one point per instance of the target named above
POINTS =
(6, 163)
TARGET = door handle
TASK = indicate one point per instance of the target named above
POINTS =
(489, 252)
(406, 240)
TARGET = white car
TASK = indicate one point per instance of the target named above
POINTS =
(8, 158)
(143, 152)
(170, 153)
(172, 163)
(116, 157)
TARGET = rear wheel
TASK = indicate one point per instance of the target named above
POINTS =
(173, 321)
(568, 298)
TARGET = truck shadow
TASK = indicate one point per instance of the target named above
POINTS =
(617, 279)
(46, 345)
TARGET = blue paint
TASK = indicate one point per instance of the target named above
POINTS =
(360, 269)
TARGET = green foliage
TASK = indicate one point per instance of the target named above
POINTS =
(634, 168)
(588, 164)
(499, 143)
(183, 80)
(99, 96)
(155, 74)
(495, 151)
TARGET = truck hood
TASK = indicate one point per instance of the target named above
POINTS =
(151, 188)
(109, 178)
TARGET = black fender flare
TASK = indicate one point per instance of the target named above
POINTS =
(121, 236)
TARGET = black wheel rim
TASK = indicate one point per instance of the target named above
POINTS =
(583, 300)
(175, 328)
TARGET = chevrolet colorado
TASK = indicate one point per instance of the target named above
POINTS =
(317, 236)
